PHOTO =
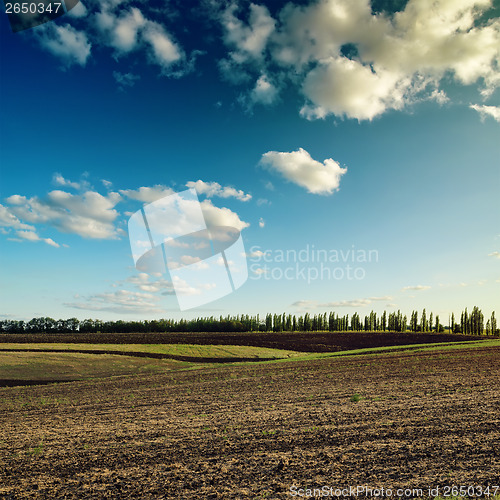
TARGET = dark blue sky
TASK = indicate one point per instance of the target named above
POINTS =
(154, 96)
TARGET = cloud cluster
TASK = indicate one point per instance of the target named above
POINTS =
(349, 61)
(210, 189)
(69, 44)
(93, 215)
(128, 30)
(121, 27)
(484, 111)
(341, 56)
(298, 167)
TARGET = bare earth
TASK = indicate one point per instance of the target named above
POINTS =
(255, 430)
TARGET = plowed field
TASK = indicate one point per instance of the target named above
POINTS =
(394, 420)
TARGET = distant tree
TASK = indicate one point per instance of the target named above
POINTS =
(431, 319)
(307, 322)
(423, 321)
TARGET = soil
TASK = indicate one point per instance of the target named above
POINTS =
(397, 420)
(295, 341)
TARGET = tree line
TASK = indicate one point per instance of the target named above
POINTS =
(471, 323)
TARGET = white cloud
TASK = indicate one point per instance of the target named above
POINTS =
(71, 45)
(249, 41)
(215, 216)
(262, 222)
(257, 254)
(416, 287)
(351, 62)
(61, 181)
(484, 111)
(93, 215)
(495, 254)
(211, 189)
(8, 219)
(264, 92)
(121, 301)
(164, 51)
(89, 215)
(341, 86)
(130, 30)
(32, 236)
(299, 168)
(147, 194)
(122, 31)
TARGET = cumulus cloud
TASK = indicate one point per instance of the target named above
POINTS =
(264, 92)
(147, 194)
(484, 111)
(298, 167)
(211, 189)
(341, 87)
(61, 181)
(130, 30)
(215, 216)
(93, 215)
(121, 30)
(495, 254)
(247, 40)
(262, 222)
(65, 42)
(90, 215)
(163, 50)
(247, 43)
(8, 219)
(349, 61)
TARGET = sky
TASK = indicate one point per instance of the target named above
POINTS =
(355, 146)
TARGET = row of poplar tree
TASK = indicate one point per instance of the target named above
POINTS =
(470, 323)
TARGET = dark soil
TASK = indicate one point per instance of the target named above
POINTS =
(414, 420)
(298, 341)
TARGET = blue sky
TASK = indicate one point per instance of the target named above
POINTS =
(333, 125)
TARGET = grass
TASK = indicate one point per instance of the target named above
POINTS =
(397, 349)
(185, 350)
(47, 366)
(74, 365)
